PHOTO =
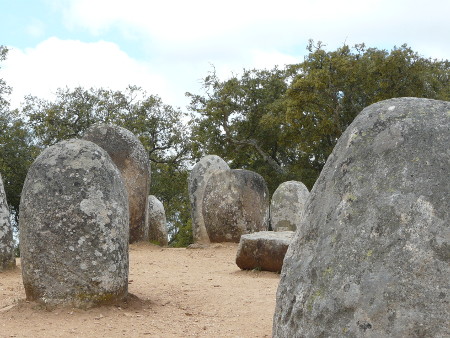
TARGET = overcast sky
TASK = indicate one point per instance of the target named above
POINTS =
(168, 46)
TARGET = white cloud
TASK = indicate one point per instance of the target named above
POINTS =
(182, 39)
(174, 26)
(56, 63)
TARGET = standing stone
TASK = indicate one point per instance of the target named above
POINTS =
(286, 207)
(130, 157)
(7, 260)
(235, 202)
(263, 250)
(371, 257)
(157, 221)
(196, 185)
(74, 227)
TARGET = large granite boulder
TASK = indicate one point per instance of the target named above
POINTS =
(7, 260)
(235, 202)
(130, 157)
(371, 257)
(264, 250)
(74, 227)
(287, 204)
(157, 221)
(198, 177)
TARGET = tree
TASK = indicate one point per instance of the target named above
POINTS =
(284, 124)
(4, 89)
(331, 88)
(241, 120)
(159, 127)
(16, 152)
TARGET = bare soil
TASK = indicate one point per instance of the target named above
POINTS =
(173, 293)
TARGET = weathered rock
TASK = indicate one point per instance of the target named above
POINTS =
(198, 177)
(74, 227)
(130, 157)
(157, 221)
(371, 257)
(264, 250)
(287, 204)
(235, 202)
(7, 260)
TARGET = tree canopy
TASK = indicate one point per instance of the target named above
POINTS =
(285, 123)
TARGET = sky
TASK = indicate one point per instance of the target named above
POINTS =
(167, 46)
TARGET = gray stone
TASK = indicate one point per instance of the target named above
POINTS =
(264, 250)
(7, 260)
(287, 204)
(130, 157)
(198, 177)
(74, 227)
(157, 221)
(371, 257)
(235, 202)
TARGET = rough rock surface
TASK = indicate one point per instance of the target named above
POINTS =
(7, 260)
(264, 250)
(74, 227)
(130, 157)
(371, 257)
(198, 177)
(235, 202)
(287, 204)
(157, 221)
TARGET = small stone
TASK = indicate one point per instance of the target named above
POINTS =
(287, 204)
(7, 260)
(157, 222)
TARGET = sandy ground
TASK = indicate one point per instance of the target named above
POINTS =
(174, 293)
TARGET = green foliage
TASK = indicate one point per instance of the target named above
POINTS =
(183, 235)
(331, 88)
(241, 120)
(16, 149)
(16, 155)
(4, 89)
(283, 124)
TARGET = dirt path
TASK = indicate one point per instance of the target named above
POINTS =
(176, 293)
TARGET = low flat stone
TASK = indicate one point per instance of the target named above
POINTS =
(263, 250)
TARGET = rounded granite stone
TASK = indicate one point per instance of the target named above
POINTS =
(74, 227)
(235, 202)
(7, 260)
(131, 158)
(198, 177)
(157, 221)
(371, 256)
(287, 204)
